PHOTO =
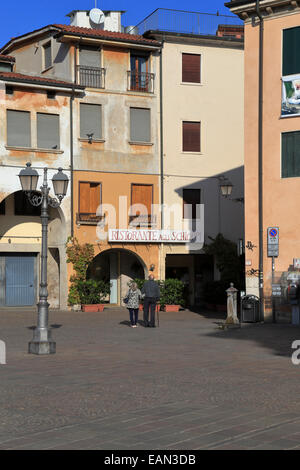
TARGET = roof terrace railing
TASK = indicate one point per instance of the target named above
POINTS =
(188, 22)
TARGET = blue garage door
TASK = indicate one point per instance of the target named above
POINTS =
(19, 274)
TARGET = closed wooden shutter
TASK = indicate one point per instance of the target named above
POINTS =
(191, 197)
(48, 131)
(18, 128)
(191, 136)
(142, 194)
(291, 51)
(90, 120)
(191, 68)
(290, 155)
(89, 199)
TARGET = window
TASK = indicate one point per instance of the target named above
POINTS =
(9, 90)
(191, 68)
(142, 195)
(140, 78)
(90, 121)
(89, 57)
(140, 125)
(89, 200)
(51, 95)
(18, 128)
(2, 207)
(191, 198)
(47, 131)
(190, 136)
(24, 207)
(291, 51)
(290, 154)
(90, 72)
(47, 55)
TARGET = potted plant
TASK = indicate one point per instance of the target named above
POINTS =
(92, 294)
(171, 294)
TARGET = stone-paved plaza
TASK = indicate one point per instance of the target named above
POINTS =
(185, 385)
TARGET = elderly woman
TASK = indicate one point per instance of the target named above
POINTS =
(133, 298)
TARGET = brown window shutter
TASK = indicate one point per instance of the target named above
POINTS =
(191, 136)
(89, 197)
(191, 68)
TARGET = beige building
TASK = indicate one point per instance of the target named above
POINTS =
(203, 119)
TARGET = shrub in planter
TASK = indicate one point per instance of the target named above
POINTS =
(92, 293)
(171, 294)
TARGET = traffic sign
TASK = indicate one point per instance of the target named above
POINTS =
(273, 241)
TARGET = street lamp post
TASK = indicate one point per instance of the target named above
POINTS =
(42, 342)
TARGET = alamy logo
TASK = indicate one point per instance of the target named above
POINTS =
(2, 353)
(296, 354)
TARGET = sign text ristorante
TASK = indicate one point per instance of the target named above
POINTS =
(150, 236)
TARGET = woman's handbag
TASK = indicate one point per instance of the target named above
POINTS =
(126, 300)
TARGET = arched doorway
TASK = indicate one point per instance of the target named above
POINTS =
(20, 248)
(119, 267)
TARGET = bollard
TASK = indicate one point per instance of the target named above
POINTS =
(232, 318)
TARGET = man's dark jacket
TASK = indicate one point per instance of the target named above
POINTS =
(151, 289)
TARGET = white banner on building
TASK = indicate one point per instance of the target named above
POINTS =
(290, 102)
(153, 236)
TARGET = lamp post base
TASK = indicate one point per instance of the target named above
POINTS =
(42, 347)
(42, 342)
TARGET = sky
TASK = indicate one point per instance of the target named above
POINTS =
(22, 16)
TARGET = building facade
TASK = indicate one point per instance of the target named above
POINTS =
(272, 120)
(203, 121)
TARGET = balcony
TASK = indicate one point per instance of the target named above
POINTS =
(91, 77)
(140, 81)
(88, 218)
(148, 221)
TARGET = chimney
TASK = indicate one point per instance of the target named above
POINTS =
(112, 20)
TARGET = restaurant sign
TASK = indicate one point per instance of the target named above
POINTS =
(154, 236)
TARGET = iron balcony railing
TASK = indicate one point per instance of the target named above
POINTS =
(91, 77)
(140, 81)
(88, 218)
(187, 22)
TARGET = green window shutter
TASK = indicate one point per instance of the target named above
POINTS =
(291, 51)
(18, 128)
(48, 131)
(90, 121)
(290, 155)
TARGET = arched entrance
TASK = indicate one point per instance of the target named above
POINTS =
(118, 266)
(20, 248)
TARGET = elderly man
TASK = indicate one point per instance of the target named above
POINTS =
(151, 294)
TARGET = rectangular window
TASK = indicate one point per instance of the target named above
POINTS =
(18, 128)
(290, 154)
(191, 68)
(24, 207)
(141, 195)
(89, 57)
(89, 201)
(191, 198)
(90, 121)
(140, 78)
(291, 51)
(140, 125)
(48, 131)
(47, 55)
(191, 136)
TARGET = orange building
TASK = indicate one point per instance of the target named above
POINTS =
(272, 149)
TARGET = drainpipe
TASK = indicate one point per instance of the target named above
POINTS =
(71, 161)
(260, 162)
(162, 257)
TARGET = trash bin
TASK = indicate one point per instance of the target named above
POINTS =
(250, 309)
